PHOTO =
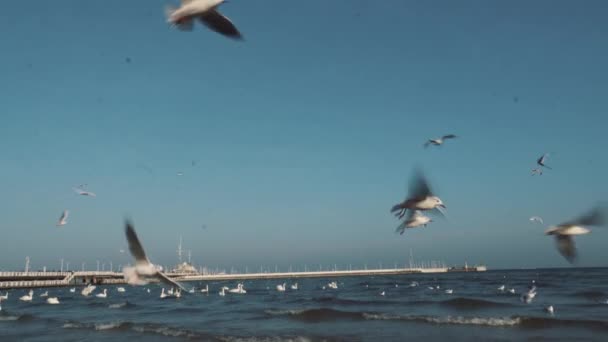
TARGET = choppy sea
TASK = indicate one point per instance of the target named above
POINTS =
(413, 307)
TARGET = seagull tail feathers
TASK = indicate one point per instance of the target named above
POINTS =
(169, 10)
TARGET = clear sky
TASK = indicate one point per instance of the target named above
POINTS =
(305, 134)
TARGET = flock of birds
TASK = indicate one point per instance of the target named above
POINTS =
(421, 199)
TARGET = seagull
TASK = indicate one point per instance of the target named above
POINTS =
(449, 291)
(82, 192)
(564, 232)
(383, 293)
(537, 219)
(204, 10)
(63, 220)
(529, 296)
(439, 141)
(501, 288)
(144, 270)
(420, 197)
(541, 161)
(537, 171)
(413, 220)
(549, 309)
(88, 290)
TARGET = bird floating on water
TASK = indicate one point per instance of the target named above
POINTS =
(104, 294)
(439, 141)
(52, 300)
(28, 297)
(564, 232)
(204, 10)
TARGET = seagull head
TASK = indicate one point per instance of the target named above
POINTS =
(438, 202)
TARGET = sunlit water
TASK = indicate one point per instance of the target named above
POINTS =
(354, 312)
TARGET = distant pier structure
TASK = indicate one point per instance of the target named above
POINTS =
(16, 280)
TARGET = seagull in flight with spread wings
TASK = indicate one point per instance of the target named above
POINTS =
(205, 11)
(420, 197)
(439, 141)
(541, 161)
(144, 270)
(564, 233)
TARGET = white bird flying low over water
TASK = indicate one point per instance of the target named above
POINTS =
(564, 232)
(420, 197)
(439, 141)
(413, 220)
(537, 219)
(144, 270)
(205, 11)
(541, 161)
(83, 192)
(63, 220)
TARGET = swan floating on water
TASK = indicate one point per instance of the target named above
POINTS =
(281, 287)
(46, 294)
(120, 289)
(52, 300)
(501, 288)
(294, 286)
(333, 285)
(549, 309)
(28, 297)
(73, 289)
(5, 297)
(163, 294)
(223, 291)
(382, 293)
(206, 289)
(239, 289)
(102, 295)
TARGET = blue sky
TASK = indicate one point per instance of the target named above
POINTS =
(305, 134)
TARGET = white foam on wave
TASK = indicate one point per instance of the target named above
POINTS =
(268, 339)
(117, 306)
(9, 318)
(457, 320)
(106, 326)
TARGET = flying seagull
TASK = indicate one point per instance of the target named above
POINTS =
(63, 220)
(564, 232)
(144, 270)
(537, 171)
(537, 219)
(420, 197)
(82, 192)
(414, 220)
(541, 161)
(439, 141)
(204, 10)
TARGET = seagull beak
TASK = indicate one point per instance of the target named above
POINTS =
(443, 206)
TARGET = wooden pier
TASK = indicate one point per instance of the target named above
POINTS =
(27, 280)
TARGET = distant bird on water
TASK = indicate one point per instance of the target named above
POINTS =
(420, 197)
(564, 232)
(205, 11)
(439, 141)
(536, 219)
(413, 220)
(144, 270)
(63, 220)
(541, 161)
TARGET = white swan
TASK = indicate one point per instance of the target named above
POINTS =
(5, 297)
(52, 300)
(501, 288)
(121, 289)
(223, 291)
(73, 289)
(88, 290)
(178, 293)
(163, 294)
(170, 292)
(102, 295)
(206, 289)
(281, 287)
(191, 290)
(28, 297)
(46, 294)
(383, 293)
(333, 285)
(294, 286)
(239, 289)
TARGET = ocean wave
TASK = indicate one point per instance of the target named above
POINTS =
(144, 328)
(590, 294)
(317, 315)
(121, 305)
(451, 320)
(267, 339)
(346, 302)
(472, 304)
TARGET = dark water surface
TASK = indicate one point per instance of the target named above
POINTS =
(354, 312)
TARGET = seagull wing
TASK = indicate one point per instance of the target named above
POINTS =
(135, 246)
(596, 217)
(163, 277)
(449, 136)
(566, 247)
(220, 24)
(419, 187)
